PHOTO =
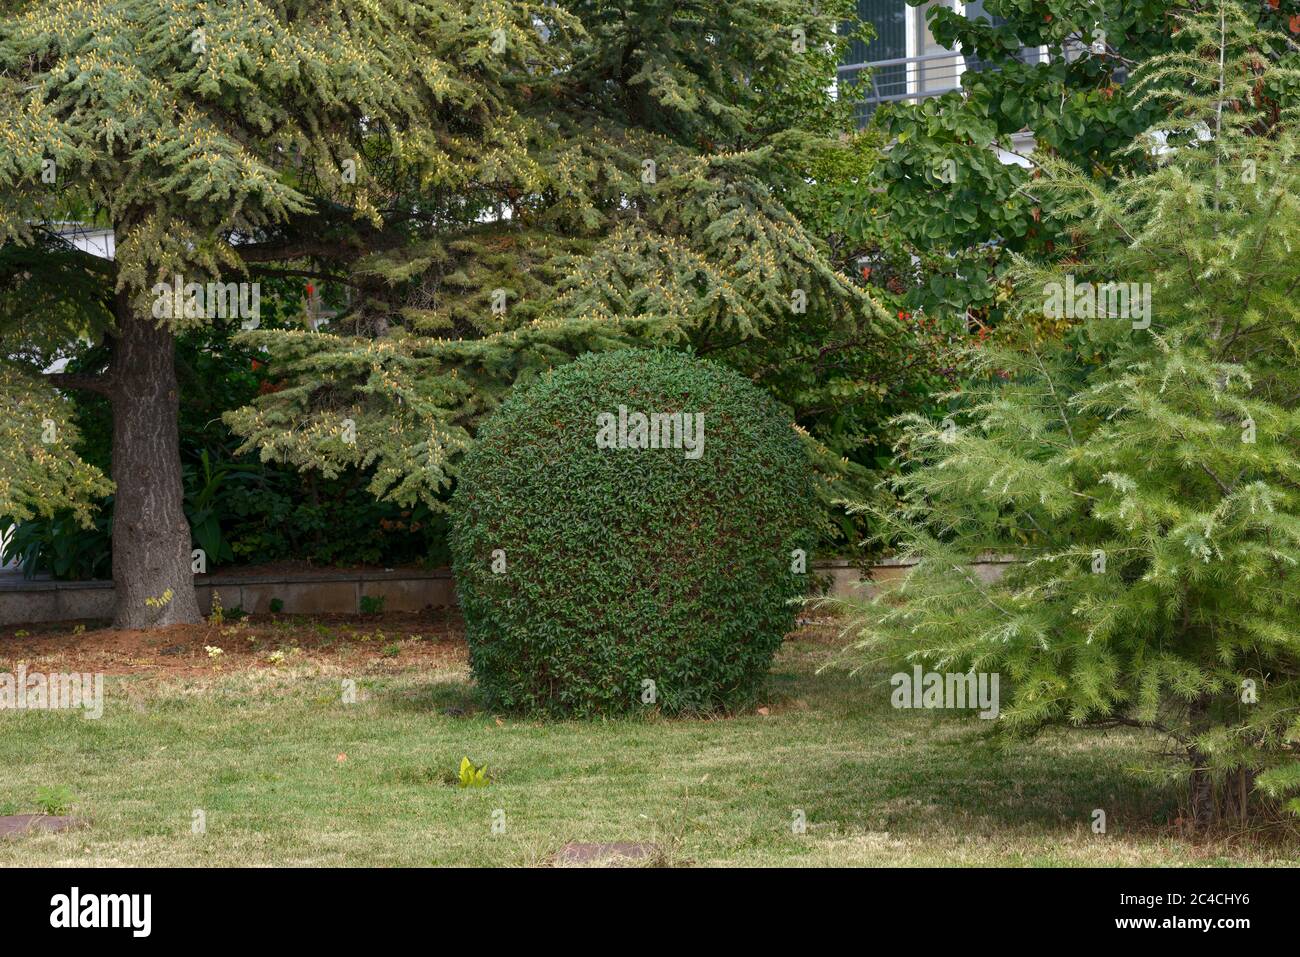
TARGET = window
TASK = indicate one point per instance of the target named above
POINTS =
(906, 62)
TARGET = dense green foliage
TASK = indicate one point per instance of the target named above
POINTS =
(842, 204)
(218, 142)
(585, 571)
(669, 160)
(240, 510)
(175, 124)
(529, 182)
(1077, 104)
(1144, 466)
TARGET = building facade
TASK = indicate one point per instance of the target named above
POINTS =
(904, 61)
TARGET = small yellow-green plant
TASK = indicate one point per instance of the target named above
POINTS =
(54, 801)
(472, 777)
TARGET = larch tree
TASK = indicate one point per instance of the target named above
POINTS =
(218, 142)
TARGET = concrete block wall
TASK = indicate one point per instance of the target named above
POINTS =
(334, 591)
(324, 592)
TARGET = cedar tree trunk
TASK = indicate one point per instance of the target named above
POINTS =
(151, 536)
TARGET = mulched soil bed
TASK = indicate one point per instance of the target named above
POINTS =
(400, 638)
(387, 641)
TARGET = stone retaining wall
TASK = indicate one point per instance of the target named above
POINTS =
(25, 602)
(330, 590)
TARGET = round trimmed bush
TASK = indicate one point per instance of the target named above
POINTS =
(601, 577)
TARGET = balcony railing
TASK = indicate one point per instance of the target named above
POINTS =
(907, 78)
(903, 78)
(914, 77)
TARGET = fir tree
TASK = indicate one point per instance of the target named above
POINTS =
(1143, 466)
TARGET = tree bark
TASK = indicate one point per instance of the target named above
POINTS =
(1200, 796)
(151, 536)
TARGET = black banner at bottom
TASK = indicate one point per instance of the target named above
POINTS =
(337, 906)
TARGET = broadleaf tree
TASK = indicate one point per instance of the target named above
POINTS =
(1055, 71)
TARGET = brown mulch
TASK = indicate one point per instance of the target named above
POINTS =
(396, 640)
(399, 639)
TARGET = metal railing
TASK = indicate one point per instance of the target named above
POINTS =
(914, 78)
(907, 78)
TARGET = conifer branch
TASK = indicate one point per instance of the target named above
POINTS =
(100, 384)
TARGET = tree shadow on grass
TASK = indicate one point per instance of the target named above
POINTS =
(912, 771)
(454, 699)
(948, 777)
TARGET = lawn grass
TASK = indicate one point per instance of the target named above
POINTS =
(261, 752)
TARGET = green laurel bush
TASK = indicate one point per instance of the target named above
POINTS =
(585, 574)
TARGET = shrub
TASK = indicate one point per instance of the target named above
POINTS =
(599, 580)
